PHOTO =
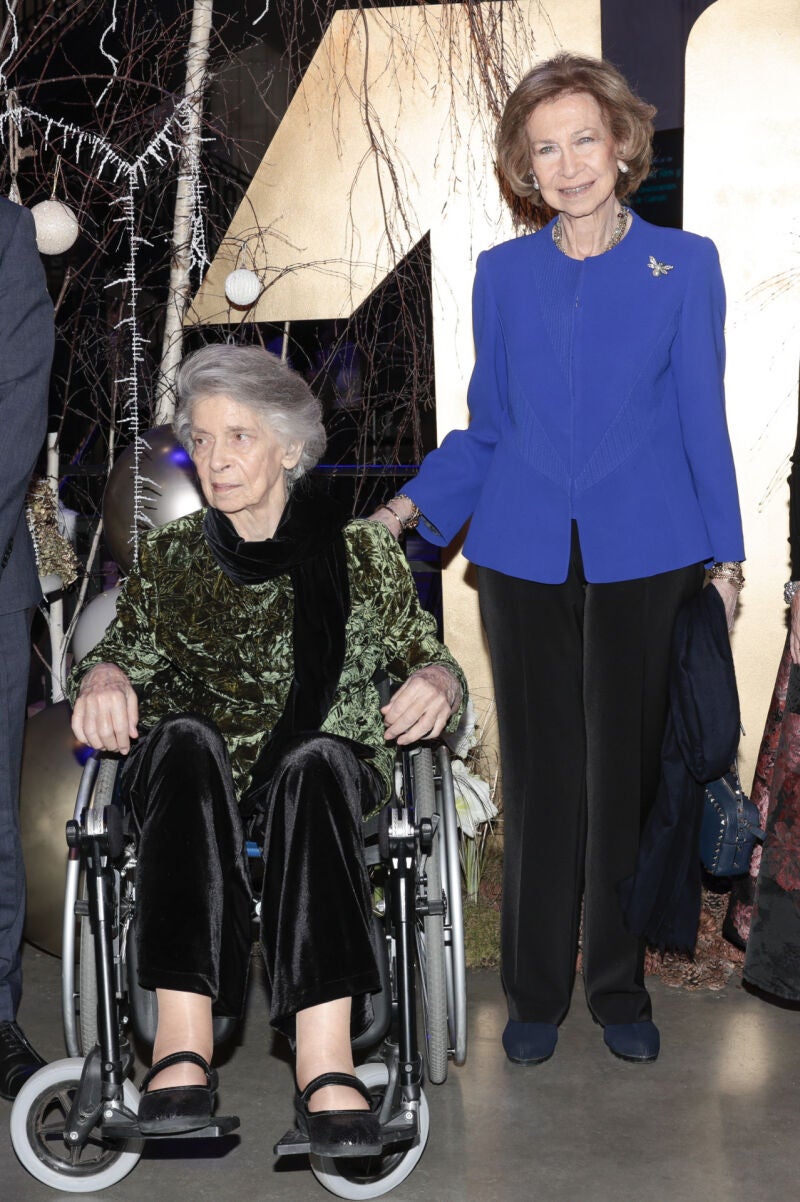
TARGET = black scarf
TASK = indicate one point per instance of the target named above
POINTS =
(308, 545)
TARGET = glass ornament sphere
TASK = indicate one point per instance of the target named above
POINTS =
(168, 490)
(242, 287)
(52, 762)
(57, 226)
(91, 625)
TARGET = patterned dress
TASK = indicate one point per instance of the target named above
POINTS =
(771, 928)
(764, 912)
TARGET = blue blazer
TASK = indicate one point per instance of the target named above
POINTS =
(26, 351)
(597, 395)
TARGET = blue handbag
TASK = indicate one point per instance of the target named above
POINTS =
(730, 827)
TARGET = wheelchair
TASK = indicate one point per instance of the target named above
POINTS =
(74, 1123)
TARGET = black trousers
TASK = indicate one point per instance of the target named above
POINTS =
(581, 682)
(194, 902)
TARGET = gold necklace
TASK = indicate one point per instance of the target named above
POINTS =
(616, 237)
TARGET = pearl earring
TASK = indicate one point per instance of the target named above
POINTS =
(534, 181)
(623, 168)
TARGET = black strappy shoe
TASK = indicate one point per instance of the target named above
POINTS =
(177, 1108)
(339, 1132)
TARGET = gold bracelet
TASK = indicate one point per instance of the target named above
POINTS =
(731, 570)
(413, 521)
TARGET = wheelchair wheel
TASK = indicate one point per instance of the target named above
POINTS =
(87, 988)
(430, 928)
(455, 956)
(375, 1175)
(38, 1120)
(87, 970)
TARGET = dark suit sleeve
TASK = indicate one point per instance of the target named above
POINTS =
(26, 353)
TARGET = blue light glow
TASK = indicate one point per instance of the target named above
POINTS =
(180, 457)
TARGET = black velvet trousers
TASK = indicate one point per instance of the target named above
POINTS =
(194, 901)
(581, 680)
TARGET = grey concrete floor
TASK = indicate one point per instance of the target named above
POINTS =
(715, 1119)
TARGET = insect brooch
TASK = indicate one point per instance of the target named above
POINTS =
(658, 268)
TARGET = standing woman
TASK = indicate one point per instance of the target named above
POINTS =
(598, 477)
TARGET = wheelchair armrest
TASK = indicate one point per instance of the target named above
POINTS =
(385, 684)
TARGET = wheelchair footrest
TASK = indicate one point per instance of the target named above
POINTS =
(294, 1143)
(403, 1128)
(219, 1125)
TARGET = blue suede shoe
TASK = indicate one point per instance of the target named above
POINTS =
(633, 1041)
(529, 1043)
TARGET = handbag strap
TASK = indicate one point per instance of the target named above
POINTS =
(742, 821)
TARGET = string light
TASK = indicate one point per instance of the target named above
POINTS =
(110, 28)
(132, 174)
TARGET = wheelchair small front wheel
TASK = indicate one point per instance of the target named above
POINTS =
(376, 1175)
(38, 1122)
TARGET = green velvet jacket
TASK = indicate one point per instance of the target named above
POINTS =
(191, 639)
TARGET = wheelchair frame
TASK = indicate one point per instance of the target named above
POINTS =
(74, 1124)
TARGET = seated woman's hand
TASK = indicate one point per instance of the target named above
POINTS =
(422, 705)
(106, 712)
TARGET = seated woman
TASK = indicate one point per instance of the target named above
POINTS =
(245, 642)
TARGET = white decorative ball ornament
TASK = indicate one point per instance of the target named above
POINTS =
(56, 226)
(52, 762)
(242, 287)
(91, 625)
(169, 490)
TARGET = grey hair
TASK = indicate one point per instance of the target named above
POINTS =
(253, 377)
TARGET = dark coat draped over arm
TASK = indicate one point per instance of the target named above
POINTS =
(662, 899)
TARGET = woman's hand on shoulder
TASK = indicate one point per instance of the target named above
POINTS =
(394, 516)
(106, 711)
(422, 706)
(386, 518)
(729, 592)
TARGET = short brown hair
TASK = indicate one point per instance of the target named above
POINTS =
(629, 119)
